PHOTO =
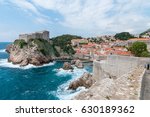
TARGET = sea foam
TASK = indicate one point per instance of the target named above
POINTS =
(62, 72)
(62, 92)
(75, 73)
(5, 63)
(2, 50)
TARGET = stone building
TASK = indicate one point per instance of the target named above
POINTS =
(35, 35)
(78, 42)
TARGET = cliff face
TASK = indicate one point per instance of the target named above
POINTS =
(35, 51)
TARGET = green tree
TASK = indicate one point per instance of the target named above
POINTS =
(64, 42)
(145, 54)
(139, 49)
(124, 36)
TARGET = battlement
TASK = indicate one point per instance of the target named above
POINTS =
(35, 35)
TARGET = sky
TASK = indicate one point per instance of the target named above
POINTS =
(85, 18)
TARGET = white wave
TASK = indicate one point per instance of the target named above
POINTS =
(75, 73)
(2, 50)
(5, 63)
(64, 94)
(62, 91)
(62, 72)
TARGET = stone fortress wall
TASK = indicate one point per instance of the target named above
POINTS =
(131, 76)
(35, 35)
(117, 66)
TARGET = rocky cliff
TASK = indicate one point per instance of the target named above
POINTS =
(35, 51)
(85, 80)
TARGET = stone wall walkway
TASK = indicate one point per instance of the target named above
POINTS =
(126, 87)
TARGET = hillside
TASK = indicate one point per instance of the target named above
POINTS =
(64, 42)
(124, 36)
(145, 32)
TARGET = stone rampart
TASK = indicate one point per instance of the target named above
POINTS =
(117, 66)
(36, 35)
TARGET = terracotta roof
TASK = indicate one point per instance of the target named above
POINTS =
(87, 46)
(108, 49)
(124, 53)
(139, 39)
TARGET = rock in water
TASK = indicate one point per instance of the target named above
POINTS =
(67, 66)
(79, 64)
(73, 62)
(86, 81)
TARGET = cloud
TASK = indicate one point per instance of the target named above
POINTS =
(25, 5)
(99, 16)
(30, 8)
(2, 2)
(78, 13)
(41, 21)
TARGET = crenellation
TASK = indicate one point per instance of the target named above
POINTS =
(35, 35)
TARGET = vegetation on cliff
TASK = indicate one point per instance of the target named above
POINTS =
(40, 51)
(20, 43)
(139, 49)
(42, 45)
(64, 42)
(124, 36)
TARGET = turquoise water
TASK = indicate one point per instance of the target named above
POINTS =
(36, 83)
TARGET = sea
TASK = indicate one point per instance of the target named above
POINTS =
(47, 82)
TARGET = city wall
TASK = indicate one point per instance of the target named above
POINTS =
(36, 35)
(117, 66)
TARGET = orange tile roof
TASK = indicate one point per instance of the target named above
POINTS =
(108, 49)
(139, 39)
(118, 52)
(124, 53)
(88, 46)
(118, 47)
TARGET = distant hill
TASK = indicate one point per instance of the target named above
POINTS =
(124, 36)
(143, 33)
(64, 42)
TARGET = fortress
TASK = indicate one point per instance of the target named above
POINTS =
(35, 35)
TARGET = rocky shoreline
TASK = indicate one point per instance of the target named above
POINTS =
(86, 80)
(36, 52)
(39, 52)
(26, 56)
